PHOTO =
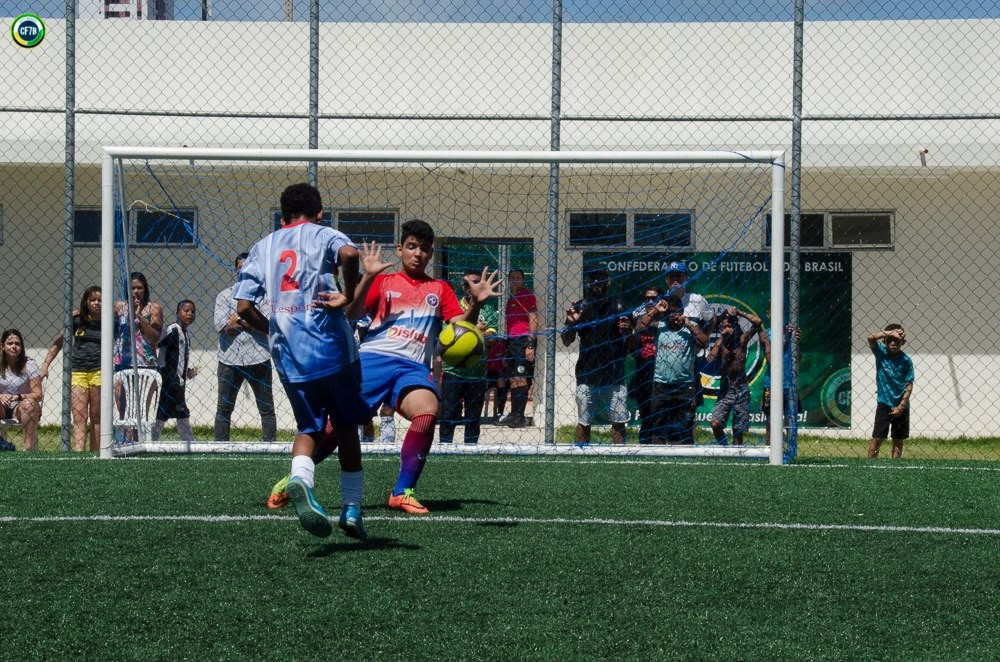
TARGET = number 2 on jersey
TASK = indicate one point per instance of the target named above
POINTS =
(288, 283)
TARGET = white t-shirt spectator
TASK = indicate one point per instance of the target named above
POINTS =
(11, 383)
(242, 348)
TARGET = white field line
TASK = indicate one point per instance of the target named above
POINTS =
(747, 464)
(544, 521)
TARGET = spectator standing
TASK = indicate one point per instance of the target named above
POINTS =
(85, 362)
(521, 316)
(696, 308)
(175, 353)
(894, 383)
(644, 355)
(604, 329)
(465, 388)
(148, 317)
(243, 357)
(734, 389)
(678, 341)
(20, 387)
(788, 374)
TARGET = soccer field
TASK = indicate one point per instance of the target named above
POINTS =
(522, 558)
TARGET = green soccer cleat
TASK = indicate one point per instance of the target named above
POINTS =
(352, 523)
(278, 498)
(312, 517)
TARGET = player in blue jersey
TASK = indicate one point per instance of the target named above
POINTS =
(312, 346)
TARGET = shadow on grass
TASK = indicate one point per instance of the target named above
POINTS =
(441, 506)
(372, 544)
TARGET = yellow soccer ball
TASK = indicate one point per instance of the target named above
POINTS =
(461, 344)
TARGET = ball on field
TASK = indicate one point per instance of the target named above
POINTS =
(462, 344)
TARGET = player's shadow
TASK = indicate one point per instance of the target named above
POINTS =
(438, 507)
(370, 545)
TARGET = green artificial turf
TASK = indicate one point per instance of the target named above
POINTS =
(522, 558)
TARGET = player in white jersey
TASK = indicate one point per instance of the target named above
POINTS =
(312, 346)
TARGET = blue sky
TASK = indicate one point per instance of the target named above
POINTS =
(537, 11)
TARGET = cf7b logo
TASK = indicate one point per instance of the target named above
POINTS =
(27, 31)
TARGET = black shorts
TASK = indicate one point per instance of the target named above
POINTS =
(883, 421)
(172, 403)
(515, 362)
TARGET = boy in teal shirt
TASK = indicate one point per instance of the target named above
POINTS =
(894, 381)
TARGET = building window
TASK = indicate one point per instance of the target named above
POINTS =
(597, 229)
(369, 225)
(87, 226)
(162, 227)
(833, 229)
(643, 229)
(811, 229)
(861, 230)
(663, 229)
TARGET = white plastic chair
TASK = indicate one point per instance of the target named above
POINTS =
(140, 403)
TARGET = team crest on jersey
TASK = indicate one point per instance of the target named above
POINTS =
(432, 300)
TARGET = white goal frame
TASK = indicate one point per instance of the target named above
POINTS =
(111, 155)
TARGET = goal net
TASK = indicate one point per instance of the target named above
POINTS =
(585, 241)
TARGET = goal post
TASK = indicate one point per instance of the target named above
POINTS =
(487, 202)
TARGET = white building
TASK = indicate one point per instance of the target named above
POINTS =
(934, 180)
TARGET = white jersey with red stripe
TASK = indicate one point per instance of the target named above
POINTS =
(407, 314)
(290, 267)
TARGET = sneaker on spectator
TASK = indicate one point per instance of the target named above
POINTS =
(514, 421)
(6, 445)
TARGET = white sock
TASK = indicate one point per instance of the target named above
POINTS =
(184, 429)
(387, 433)
(304, 468)
(351, 483)
(154, 434)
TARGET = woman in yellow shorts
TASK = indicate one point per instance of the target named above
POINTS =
(85, 392)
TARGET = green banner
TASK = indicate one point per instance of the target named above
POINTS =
(744, 280)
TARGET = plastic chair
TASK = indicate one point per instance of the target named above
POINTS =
(139, 403)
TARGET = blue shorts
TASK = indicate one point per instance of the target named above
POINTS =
(384, 378)
(337, 396)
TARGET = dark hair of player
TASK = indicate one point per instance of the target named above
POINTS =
(300, 200)
(418, 229)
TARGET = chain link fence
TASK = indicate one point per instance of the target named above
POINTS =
(885, 110)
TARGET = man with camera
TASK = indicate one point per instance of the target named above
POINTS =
(602, 324)
(679, 339)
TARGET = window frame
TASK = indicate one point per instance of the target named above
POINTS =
(828, 220)
(891, 218)
(630, 241)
